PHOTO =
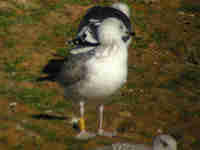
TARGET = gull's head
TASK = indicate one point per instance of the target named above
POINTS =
(164, 142)
(122, 7)
(112, 31)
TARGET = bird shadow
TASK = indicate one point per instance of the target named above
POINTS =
(48, 117)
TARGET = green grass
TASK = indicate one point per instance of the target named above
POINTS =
(139, 20)
(3, 126)
(64, 30)
(61, 3)
(146, 134)
(192, 8)
(7, 18)
(131, 85)
(5, 22)
(60, 106)
(45, 132)
(18, 147)
(12, 66)
(191, 75)
(10, 43)
(104, 142)
(159, 36)
(43, 40)
(148, 84)
(4, 139)
(62, 51)
(34, 97)
(140, 43)
(195, 144)
(171, 85)
(189, 114)
(74, 144)
(23, 77)
(137, 69)
(27, 19)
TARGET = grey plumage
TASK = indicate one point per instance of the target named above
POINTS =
(74, 71)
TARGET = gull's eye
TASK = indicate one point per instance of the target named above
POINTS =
(121, 27)
(165, 144)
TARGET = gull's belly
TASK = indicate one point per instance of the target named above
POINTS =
(105, 77)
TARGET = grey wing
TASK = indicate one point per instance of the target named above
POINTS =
(74, 68)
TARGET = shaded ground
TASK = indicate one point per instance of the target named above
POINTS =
(162, 93)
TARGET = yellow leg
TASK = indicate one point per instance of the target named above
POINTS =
(82, 124)
(83, 133)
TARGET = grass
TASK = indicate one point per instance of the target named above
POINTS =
(4, 126)
(4, 139)
(64, 30)
(171, 85)
(159, 36)
(7, 18)
(190, 8)
(60, 106)
(43, 40)
(139, 21)
(188, 114)
(137, 69)
(74, 144)
(62, 51)
(195, 144)
(10, 43)
(34, 97)
(191, 75)
(24, 77)
(18, 147)
(49, 134)
(140, 43)
(61, 3)
(12, 66)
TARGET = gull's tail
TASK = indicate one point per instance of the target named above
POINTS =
(52, 69)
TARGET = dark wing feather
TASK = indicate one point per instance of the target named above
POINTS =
(51, 69)
(74, 68)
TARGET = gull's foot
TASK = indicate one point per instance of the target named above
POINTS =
(101, 132)
(84, 135)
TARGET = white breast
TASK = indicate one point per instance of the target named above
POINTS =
(107, 72)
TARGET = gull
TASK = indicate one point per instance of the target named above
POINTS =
(91, 76)
(87, 30)
(161, 142)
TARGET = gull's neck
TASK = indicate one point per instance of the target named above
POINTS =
(110, 50)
